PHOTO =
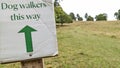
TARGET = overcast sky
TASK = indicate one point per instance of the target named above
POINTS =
(92, 7)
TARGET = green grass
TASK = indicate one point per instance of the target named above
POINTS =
(85, 45)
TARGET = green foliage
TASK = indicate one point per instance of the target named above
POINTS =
(72, 15)
(60, 15)
(90, 18)
(56, 3)
(86, 16)
(79, 18)
(117, 15)
(101, 17)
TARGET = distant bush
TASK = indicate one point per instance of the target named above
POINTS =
(90, 18)
(72, 15)
(101, 17)
(117, 15)
(79, 18)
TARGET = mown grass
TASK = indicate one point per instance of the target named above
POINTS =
(85, 45)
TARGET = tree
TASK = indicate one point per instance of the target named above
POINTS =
(101, 17)
(72, 15)
(79, 18)
(56, 3)
(117, 15)
(61, 16)
(86, 16)
(90, 18)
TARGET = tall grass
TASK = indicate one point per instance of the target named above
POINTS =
(88, 45)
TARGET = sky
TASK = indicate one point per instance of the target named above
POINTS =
(92, 7)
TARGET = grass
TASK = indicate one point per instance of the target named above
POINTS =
(85, 45)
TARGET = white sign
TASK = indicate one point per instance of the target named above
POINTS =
(27, 30)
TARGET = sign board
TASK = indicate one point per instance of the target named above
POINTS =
(27, 30)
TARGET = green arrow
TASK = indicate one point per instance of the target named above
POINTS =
(28, 38)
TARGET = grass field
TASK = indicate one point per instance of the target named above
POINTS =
(85, 45)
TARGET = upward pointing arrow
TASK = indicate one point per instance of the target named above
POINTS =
(27, 31)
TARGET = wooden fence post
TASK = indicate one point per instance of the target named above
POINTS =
(38, 63)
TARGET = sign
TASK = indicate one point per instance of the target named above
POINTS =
(27, 30)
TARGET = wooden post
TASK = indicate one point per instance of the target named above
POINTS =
(33, 64)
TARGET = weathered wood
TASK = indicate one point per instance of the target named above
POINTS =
(33, 64)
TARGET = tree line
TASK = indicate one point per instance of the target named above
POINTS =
(63, 17)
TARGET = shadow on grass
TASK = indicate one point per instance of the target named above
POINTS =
(65, 25)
